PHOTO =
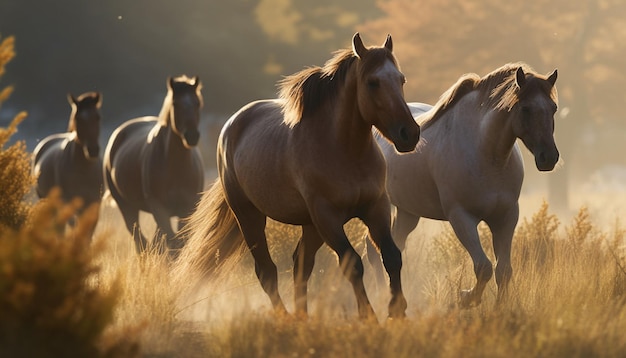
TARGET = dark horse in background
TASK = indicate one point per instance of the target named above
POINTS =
(71, 161)
(309, 158)
(152, 164)
(469, 168)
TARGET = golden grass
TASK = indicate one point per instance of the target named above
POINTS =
(569, 299)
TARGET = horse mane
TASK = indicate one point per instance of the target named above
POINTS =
(88, 99)
(304, 91)
(179, 83)
(498, 90)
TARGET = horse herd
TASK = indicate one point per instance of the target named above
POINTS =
(339, 143)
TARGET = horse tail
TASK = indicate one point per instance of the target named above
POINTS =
(214, 242)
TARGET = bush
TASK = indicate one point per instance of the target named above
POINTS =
(15, 178)
(48, 307)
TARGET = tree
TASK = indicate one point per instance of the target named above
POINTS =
(436, 42)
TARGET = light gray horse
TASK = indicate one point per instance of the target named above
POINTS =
(469, 168)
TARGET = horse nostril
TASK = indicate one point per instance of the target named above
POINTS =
(542, 157)
(403, 134)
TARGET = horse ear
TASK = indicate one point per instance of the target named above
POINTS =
(71, 99)
(196, 81)
(98, 99)
(357, 46)
(520, 77)
(388, 43)
(552, 77)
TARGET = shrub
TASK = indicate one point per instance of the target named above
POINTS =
(15, 178)
(48, 307)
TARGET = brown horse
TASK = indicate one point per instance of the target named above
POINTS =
(71, 161)
(469, 168)
(309, 159)
(152, 164)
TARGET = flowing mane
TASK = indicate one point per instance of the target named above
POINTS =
(498, 90)
(303, 91)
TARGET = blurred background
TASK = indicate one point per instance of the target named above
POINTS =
(241, 48)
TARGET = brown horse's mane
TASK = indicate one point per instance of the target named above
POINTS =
(304, 91)
(87, 98)
(181, 83)
(498, 90)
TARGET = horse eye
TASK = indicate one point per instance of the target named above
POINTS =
(373, 83)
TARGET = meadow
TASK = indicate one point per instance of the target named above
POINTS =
(568, 298)
(75, 297)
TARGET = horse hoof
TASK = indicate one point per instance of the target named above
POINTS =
(468, 299)
(395, 321)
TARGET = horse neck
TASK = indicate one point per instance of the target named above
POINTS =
(350, 128)
(166, 109)
(173, 144)
(496, 136)
(165, 137)
(169, 139)
(74, 151)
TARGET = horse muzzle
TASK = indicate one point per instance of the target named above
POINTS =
(546, 160)
(406, 138)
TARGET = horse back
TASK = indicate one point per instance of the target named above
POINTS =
(46, 155)
(123, 155)
(128, 136)
(253, 160)
(57, 163)
(44, 146)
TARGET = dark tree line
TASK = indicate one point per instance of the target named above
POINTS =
(127, 49)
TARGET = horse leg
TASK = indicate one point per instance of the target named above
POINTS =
(164, 226)
(130, 215)
(502, 230)
(330, 227)
(252, 224)
(403, 224)
(465, 228)
(303, 262)
(378, 222)
(131, 218)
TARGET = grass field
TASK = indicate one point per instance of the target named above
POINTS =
(568, 300)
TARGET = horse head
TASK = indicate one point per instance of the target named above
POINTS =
(533, 117)
(380, 94)
(185, 109)
(85, 121)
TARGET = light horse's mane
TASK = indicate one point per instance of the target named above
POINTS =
(177, 84)
(304, 91)
(498, 90)
(88, 98)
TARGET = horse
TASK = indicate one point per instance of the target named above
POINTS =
(309, 158)
(152, 164)
(468, 167)
(71, 161)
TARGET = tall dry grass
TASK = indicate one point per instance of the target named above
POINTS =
(568, 299)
